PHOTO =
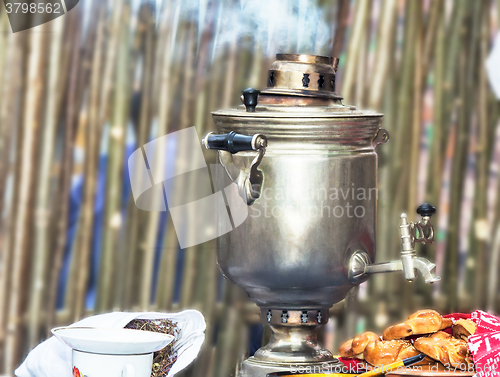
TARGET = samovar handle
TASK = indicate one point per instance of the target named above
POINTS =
(381, 137)
(249, 180)
(234, 142)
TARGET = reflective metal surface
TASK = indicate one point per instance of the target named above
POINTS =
(317, 207)
(360, 265)
(308, 75)
(310, 232)
(291, 251)
(293, 345)
(255, 368)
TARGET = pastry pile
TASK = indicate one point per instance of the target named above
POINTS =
(425, 328)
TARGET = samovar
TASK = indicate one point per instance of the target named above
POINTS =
(306, 166)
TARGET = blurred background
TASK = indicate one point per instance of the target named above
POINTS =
(79, 94)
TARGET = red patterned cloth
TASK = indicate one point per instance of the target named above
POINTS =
(353, 365)
(484, 345)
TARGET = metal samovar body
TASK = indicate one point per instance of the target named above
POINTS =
(306, 166)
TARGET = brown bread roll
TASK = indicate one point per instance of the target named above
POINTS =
(444, 348)
(408, 350)
(419, 323)
(360, 342)
(464, 328)
(446, 323)
(345, 349)
(439, 346)
(384, 352)
(424, 313)
(355, 347)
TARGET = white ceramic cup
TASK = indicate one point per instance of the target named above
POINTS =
(111, 352)
(86, 364)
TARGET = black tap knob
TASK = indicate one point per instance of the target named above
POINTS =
(231, 142)
(426, 209)
(250, 98)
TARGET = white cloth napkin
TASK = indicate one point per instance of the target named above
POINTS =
(52, 358)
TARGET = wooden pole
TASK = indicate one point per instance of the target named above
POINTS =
(341, 26)
(189, 185)
(436, 159)
(480, 229)
(114, 175)
(12, 94)
(149, 45)
(384, 54)
(417, 112)
(41, 244)
(148, 241)
(63, 195)
(25, 183)
(353, 51)
(92, 152)
(459, 167)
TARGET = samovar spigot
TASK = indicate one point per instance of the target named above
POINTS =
(422, 232)
(360, 266)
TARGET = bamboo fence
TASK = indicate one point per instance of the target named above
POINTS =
(79, 92)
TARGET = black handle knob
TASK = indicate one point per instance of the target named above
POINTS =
(426, 209)
(231, 142)
(250, 98)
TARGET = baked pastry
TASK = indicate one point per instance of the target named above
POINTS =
(360, 342)
(355, 347)
(422, 322)
(385, 352)
(444, 348)
(446, 323)
(464, 328)
(426, 313)
(345, 349)
(439, 346)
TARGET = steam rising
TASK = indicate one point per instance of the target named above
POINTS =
(298, 26)
(276, 25)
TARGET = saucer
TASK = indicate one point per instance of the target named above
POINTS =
(110, 341)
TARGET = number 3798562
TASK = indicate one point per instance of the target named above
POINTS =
(33, 8)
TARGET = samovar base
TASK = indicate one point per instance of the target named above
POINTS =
(255, 368)
(293, 347)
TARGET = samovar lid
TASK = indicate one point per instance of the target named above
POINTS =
(299, 86)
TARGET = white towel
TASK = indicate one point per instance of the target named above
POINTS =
(52, 358)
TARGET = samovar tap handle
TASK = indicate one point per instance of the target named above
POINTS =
(424, 231)
(234, 142)
(250, 179)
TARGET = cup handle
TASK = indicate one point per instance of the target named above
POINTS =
(128, 371)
